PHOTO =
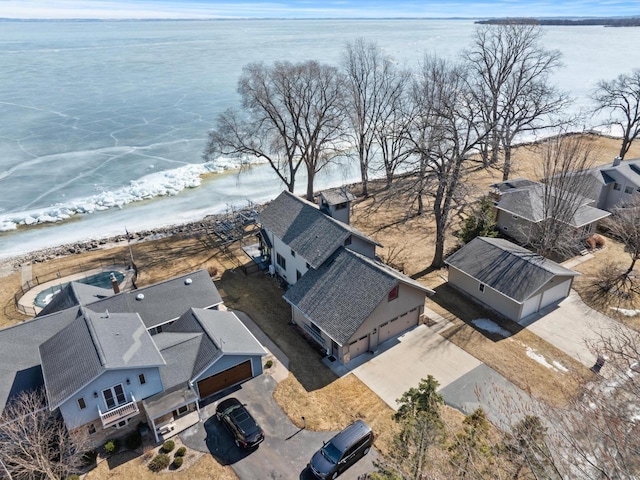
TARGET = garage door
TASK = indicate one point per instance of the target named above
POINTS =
(358, 347)
(530, 306)
(222, 380)
(397, 325)
(556, 293)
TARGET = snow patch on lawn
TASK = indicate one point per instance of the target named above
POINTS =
(625, 312)
(490, 326)
(531, 353)
(559, 366)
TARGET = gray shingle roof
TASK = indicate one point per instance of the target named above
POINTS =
(527, 201)
(305, 229)
(90, 345)
(164, 301)
(19, 354)
(74, 294)
(341, 294)
(335, 196)
(508, 268)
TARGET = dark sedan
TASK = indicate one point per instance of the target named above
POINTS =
(242, 426)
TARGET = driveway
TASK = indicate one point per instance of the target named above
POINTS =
(286, 450)
(400, 363)
(573, 327)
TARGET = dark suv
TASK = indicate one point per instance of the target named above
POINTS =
(342, 451)
(244, 429)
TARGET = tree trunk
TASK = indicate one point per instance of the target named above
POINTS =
(631, 267)
(365, 178)
(438, 257)
(310, 178)
(506, 171)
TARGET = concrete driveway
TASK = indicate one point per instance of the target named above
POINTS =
(286, 449)
(573, 327)
(401, 362)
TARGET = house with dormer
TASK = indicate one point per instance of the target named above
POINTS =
(342, 297)
(109, 366)
(613, 183)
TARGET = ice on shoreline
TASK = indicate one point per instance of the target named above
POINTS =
(158, 184)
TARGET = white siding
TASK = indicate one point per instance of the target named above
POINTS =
(293, 264)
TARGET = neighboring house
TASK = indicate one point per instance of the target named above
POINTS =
(613, 183)
(107, 369)
(352, 303)
(508, 278)
(297, 236)
(520, 204)
(336, 203)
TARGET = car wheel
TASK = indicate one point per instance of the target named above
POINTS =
(366, 450)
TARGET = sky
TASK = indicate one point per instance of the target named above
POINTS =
(145, 9)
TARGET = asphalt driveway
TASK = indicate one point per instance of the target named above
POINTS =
(286, 449)
(573, 327)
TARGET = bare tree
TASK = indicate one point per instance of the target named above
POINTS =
(373, 88)
(561, 196)
(34, 442)
(447, 128)
(291, 116)
(624, 224)
(512, 72)
(620, 97)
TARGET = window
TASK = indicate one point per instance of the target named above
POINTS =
(183, 409)
(122, 424)
(315, 328)
(616, 186)
(393, 294)
(481, 287)
(293, 254)
(298, 275)
(347, 241)
(280, 260)
(341, 206)
(114, 396)
(142, 379)
(81, 403)
(628, 190)
(505, 228)
(92, 429)
(515, 217)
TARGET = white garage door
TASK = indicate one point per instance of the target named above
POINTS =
(359, 346)
(556, 293)
(397, 325)
(530, 306)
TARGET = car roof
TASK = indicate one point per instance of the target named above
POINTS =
(351, 434)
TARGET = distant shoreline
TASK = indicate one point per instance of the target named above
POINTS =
(579, 22)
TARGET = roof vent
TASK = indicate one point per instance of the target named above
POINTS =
(188, 281)
(140, 296)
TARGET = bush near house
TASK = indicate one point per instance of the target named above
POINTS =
(181, 452)
(112, 446)
(90, 457)
(168, 446)
(159, 462)
(177, 462)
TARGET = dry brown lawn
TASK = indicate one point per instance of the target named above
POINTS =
(312, 389)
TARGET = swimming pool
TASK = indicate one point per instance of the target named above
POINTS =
(102, 280)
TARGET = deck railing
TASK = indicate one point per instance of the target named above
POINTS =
(118, 413)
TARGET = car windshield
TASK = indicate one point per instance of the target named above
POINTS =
(331, 453)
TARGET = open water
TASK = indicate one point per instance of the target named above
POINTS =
(105, 122)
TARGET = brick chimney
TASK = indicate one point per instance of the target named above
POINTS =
(616, 161)
(114, 284)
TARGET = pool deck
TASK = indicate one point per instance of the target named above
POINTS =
(27, 302)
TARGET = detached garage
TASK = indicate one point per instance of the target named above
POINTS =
(508, 278)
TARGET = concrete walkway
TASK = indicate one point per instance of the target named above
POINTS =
(402, 362)
(573, 327)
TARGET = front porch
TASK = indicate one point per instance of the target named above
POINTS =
(171, 413)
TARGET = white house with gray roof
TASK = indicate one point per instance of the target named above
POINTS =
(613, 183)
(352, 303)
(508, 278)
(108, 366)
(298, 236)
(522, 203)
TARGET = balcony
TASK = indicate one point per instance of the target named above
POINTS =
(119, 413)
